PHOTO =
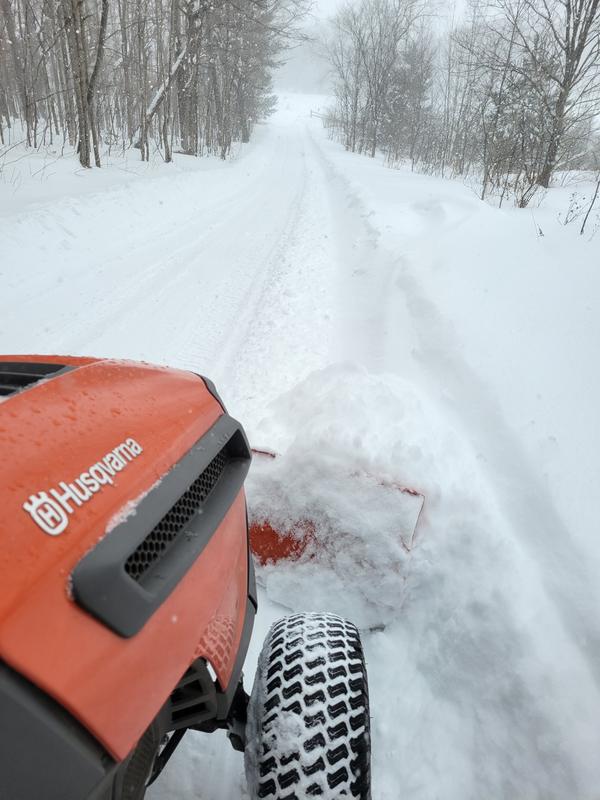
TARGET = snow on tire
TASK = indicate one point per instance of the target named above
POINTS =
(308, 732)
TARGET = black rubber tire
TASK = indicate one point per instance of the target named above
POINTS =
(308, 731)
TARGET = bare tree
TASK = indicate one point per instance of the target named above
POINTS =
(565, 72)
(363, 52)
(506, 97)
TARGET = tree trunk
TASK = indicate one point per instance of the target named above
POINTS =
(16, 47)
(74, 23)
(545, 175)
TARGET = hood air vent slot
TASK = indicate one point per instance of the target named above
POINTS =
(18, 375)
(174, 522)
(134, 568)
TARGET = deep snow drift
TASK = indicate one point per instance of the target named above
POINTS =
(374, 327)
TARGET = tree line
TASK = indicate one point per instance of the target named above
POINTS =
(190, 75)
(510, 95)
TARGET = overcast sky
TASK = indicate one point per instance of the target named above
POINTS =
(304, 71)
(325, 8)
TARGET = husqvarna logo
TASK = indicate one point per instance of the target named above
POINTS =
(51, 509)
(49, 515)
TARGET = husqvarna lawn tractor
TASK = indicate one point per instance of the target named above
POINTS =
(127, 597)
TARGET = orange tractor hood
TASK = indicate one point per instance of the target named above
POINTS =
(122, 425)
(79, 448)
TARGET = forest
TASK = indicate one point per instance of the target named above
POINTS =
(190, 75)
(508, 95)
(505, 95)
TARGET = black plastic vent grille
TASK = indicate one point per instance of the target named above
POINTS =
(194, 699)
(18, 375)
(175, 520)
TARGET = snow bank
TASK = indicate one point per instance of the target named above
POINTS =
(31, 178)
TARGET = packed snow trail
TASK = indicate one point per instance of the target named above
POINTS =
(167, 269)
(318, 318)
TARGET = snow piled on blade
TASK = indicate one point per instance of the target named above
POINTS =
(348, 441)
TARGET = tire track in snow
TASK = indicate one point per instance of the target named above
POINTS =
(370, 308)
(284, 325)
(246, 298)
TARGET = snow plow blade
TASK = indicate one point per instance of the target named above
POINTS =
(269, 544)
(272, 542)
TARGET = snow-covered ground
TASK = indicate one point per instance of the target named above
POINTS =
(368, 324)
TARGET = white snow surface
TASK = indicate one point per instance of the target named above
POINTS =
(375, 327)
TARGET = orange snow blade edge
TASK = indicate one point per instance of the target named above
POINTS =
(271, 545)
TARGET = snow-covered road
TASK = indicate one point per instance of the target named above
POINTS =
(167, 269)
(307, 283)
(205, 270)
